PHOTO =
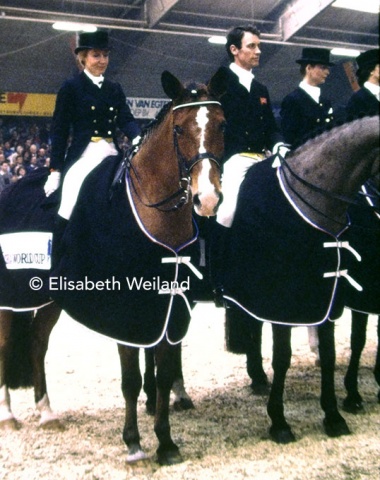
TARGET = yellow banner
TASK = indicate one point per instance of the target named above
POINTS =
(27, 104)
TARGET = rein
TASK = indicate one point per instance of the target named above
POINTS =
(326, 193)
(185, 166)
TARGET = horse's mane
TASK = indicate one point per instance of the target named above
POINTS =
(192, 92)
(319, 134)
(153, 124)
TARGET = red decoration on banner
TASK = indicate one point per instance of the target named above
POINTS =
(17, 98)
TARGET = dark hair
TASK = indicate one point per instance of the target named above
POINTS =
(364, 73)
(235, 35)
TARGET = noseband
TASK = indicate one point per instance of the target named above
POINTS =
(184, 165)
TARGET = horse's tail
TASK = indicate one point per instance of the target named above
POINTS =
(19, 372)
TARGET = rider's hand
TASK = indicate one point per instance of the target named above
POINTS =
(280, 150)
(52, 183)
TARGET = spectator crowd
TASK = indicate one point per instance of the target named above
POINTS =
(24, 147)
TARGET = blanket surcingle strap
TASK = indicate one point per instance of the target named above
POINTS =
(281, 268)
(140, 290)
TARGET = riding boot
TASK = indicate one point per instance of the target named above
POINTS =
(58, 233)
(218, 252)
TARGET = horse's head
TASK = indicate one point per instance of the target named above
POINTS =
(322, 177)
(198, 126)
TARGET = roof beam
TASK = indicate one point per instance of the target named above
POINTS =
(297, 14)
(156, 9)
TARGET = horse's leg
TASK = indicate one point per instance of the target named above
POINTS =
(353, 403)
(166, 354)
(377, 363)
(334, 424)
(7, 419)
(313, 342)
(131, 383)
(243, 335)
(182, 400)
(280, 431)
(150, 381)
(42, 325)
(259, 384)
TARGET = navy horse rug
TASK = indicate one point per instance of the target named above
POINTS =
(113, 277)
(279, 267)
(26, 223)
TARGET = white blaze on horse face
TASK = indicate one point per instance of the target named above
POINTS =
(206, 190)
(202, 119)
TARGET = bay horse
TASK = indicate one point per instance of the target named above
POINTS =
(133, 225)
(27, 317)
(288, 275)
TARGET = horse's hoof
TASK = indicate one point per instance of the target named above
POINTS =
(336, 427)
(134, 458)
(260, 384)
(10, 424)
(183, 404)
(282, 435)
(140, 465)
(260, 388)
(352, 405)
(170, 456)
(53, 424)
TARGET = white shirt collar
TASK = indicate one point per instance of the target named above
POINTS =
(313, 91)
(97, 80)
(245, 76)
(375, 89)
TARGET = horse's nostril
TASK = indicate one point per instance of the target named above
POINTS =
(196, 200)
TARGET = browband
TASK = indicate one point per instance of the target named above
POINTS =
(194, 104)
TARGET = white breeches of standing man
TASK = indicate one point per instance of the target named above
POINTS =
(94, 154)
(234, 171)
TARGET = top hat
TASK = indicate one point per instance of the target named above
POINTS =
(314, 56)
(368, 59)
(88, 40)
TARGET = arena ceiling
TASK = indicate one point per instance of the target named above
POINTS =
(149, 36)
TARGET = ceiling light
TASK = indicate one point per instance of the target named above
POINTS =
(369, 6)
(218, 40)
(74, 27)
(345, 52)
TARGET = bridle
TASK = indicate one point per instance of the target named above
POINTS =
(184, 167)
(326, 193)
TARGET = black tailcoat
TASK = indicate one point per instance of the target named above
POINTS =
(83, 110)
(251, 126)
(300, 115)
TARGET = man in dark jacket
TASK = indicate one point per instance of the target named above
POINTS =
(366, 100)
(305, 109)
(251, 130)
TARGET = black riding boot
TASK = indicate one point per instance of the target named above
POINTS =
(218, 252)
(59, 230)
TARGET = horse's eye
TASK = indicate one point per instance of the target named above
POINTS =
(223, 126)
(178, 130)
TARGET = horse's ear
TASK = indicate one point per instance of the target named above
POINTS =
(218, 84)
(171, 85)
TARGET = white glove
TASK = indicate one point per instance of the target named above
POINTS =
(280, 150)
(52, 183)
(136, 140)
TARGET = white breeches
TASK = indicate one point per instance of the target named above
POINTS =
(91, 158)
(234, 171)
